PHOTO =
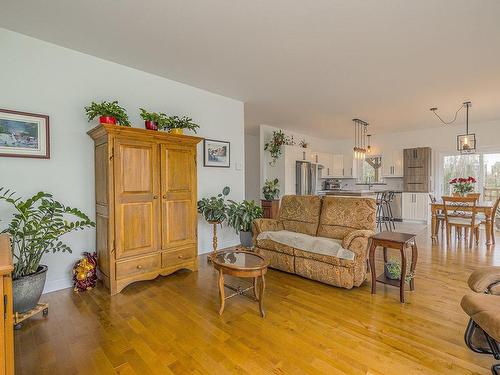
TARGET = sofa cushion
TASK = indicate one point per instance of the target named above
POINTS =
(483, 309)
(342, 215)
(269, 244)
(300, 213)
(284, 240)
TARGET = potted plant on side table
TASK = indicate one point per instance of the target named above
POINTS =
(240, 216)
(108, 112)
(213, 210)
(270, 203)
(35, 229)
(176, 124)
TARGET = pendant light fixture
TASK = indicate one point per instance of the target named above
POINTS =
(466, 143)
(369, 147)
(360, 138)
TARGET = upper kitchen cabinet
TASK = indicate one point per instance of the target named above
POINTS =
(417, 169)
(333, 165)
(392, 163)
(349, 166)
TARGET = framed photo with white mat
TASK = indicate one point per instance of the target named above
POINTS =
(24, 135)
(216, 153)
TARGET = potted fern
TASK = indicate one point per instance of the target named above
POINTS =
(108, 112)
(35, 229)
(152, 119)
(176, 124)
(240, 216)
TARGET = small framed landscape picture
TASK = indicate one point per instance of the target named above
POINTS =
(24, 135)
(216, 153)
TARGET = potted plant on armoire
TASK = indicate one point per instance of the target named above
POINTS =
(36, 226)
(271, 203)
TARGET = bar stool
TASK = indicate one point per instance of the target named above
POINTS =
(381, 211)
(388, 199)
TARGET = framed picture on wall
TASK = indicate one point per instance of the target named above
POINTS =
(216, 153)
(24, 135)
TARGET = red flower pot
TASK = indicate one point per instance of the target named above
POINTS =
(151, 125)
(107, 120)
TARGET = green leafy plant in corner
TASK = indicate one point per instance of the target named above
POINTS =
(274, 146)
(213, 209)
(393, 270)
(240, 216)
(176, 122)
(271, 189)
(111, 109)
(36, 227)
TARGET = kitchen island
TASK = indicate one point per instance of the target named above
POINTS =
(349, 193)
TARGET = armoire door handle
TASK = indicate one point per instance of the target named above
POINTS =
(164, 196)
(155, 196)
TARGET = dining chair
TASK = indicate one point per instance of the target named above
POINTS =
(453, 207)
(439, 214)
(493, 218)
(475, 195)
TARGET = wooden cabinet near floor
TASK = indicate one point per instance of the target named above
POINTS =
(7, 326)
(145, 190)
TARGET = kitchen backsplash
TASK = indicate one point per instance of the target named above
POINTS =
(389, 184)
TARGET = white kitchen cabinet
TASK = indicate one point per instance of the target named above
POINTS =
(392, 163)
(415, 206)
(349, 166)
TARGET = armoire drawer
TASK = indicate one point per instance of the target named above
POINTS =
(137, 266)
(172, 258)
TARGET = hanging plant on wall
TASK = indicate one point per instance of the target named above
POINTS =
(274, 146)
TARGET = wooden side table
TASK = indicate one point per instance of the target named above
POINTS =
(270, 208)
(394, 240)
(241, 263)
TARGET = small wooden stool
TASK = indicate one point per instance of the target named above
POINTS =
(394, 240)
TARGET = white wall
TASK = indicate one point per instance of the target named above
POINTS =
(44, 78)
(252, 168)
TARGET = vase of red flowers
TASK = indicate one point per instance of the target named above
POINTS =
(462, 186)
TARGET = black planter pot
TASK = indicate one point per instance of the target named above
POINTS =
(27, 290)
(246, 239)
(389, 275)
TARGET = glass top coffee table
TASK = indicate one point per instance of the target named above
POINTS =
(241, 263)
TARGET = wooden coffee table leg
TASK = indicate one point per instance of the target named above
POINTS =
(261, 295)
(221, 292)
(403, 275)
(256, 288)
(371, 257)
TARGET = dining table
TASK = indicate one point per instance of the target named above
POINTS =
(484, 207)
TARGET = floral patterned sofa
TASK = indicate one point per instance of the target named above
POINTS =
(343, 223)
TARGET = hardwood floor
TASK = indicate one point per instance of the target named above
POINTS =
(171, 325)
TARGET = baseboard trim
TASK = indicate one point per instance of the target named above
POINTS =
(55, 285)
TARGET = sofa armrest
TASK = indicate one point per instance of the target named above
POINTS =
(266, 225)
(485, 280)
(357, 241)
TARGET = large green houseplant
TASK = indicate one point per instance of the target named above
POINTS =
(240, 216)
(35, 230)
(108, 112)
(213, 210)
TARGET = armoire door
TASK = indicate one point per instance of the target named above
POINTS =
(137, 206)
(178, 192)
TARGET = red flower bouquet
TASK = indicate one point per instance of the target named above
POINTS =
(463, 185)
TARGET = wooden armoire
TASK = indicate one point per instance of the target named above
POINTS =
(145, 192)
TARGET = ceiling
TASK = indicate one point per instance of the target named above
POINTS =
(307, 66)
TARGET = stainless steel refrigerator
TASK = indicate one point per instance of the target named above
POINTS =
(306, 178)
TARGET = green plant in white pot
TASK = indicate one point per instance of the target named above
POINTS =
(35, 229)
(240, 216)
